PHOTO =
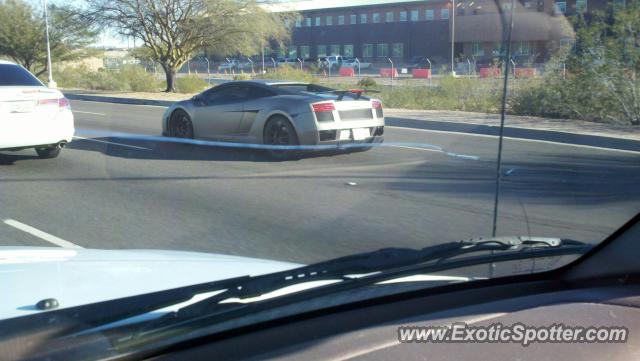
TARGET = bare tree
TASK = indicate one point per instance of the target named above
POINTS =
(173, 30)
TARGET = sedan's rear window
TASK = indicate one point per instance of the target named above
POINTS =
(14, 75)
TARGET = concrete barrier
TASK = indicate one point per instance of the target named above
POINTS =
(489, 72)
(347, 72)
(389, 72)
(421, 73)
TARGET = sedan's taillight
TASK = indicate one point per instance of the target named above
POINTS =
(323, 107)
(63, 103)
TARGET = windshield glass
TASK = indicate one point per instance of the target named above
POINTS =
(166, 153)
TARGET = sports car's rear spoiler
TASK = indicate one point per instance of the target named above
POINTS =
(357, 92)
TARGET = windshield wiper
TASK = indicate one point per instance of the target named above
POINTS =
(372, 267)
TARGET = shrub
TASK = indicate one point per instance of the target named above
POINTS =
(137, 79)
(242, 77)
(190, 84)
(286, 72)
(451, 94)
(367, 82)
(128, 78)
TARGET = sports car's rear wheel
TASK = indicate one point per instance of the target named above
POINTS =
(279, 131)
(180, 125)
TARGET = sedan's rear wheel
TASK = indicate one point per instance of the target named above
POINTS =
(48, 152)
(279, 132)
(180, 125)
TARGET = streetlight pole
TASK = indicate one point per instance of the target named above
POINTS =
(453, 34)
(52, 84)
(208, 71)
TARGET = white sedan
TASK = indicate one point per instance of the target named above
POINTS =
(32, 115)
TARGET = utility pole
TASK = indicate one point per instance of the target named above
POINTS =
(51, 84)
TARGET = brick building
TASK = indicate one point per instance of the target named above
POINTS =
(375, 30)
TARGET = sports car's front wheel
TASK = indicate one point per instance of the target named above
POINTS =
(180, 125)
(279, 132)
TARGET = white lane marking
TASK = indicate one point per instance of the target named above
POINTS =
(112, 143)
(135, 105)
(416, 148)
(518, 139)
(92, 113)
(40, 234)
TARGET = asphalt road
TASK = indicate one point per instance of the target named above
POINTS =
(120, 193)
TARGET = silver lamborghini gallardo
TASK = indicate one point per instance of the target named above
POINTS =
(278, 113)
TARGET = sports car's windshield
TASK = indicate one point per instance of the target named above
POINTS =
(191, 141)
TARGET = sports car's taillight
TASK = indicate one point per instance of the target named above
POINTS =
(323, 107)
(324, 111)
(377, 105)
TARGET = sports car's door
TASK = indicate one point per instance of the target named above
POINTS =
(220, 113)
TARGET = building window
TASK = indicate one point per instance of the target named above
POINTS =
(329, 21)
(560, 7)
(298, 23)
(383, 50)
(415, 15)
(403, 16)
(581, 6)
(341, 20)
(318, 21)
(335, 49)
(305, 52)
(293, 52)
(477, 49)
(307, 21)
(522, 48)
(367, 50)
(322, 50)
(363, 18)
(388, 17)
(444, 14)
(397, 50)
(348, 50)
(428, 14)
(352, 19)
(376, 18)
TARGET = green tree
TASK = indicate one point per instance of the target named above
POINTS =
(596, 78)
(174, 30)
(22, 35)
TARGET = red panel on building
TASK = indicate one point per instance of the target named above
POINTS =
(389, 72)
(347, 72)
(421, 73)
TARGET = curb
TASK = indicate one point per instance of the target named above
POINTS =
(521, 133)
(491, 130)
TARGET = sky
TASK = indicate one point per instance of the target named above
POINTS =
(106, 39)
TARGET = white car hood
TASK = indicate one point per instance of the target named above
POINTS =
(81, 276)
